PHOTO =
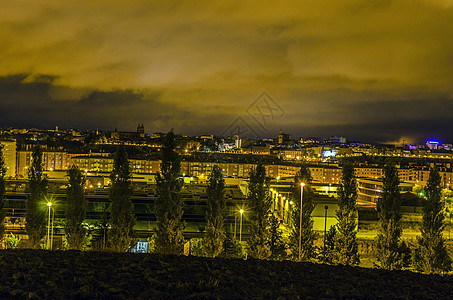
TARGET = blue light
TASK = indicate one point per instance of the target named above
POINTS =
(433, 142)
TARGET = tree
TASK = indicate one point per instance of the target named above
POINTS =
(431, 256)
(215, 232)
(76, 206)
(328, 255)
(277, 246)
(259, 205)
(2, 193)
(391, 253)
(168, 205)
(346, 246)
(305, 233)
(122, 218)
(36, 200)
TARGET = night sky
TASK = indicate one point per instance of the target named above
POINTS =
(376, 71)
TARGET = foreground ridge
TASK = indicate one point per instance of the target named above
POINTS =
(75, 274)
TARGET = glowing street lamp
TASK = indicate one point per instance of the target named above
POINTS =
(240, 226)
(49, 205)
(300, 224)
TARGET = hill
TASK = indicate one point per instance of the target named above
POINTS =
(72, 274)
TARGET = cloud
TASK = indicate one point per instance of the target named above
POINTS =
(24, 103)
(209, 60)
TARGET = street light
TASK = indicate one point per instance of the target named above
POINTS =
(300, 224)
(285, 208)
(240, 226)
(235, 226)
(325, 228)
(51, 229)
(49, 204)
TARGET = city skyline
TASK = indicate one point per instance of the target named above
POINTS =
(375, 72)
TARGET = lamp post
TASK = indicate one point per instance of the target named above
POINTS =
(274, 200)
(325, 228)
(240, 226)
(51, 229)
(49, 205)
(235, 226)
(285, 208)
(300, 224)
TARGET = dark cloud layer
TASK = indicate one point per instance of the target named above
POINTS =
(372, 70)
(30, 104)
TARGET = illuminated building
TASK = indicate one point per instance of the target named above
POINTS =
(9, 155)
(370, 190)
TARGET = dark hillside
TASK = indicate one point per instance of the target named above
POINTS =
(82, 275)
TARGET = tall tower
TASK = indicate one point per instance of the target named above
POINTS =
(141, 130)
(280, 137)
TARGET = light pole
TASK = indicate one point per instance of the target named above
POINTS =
(325, 229)
(240, 226)
(235, 226)
(51, 229)
(274, 200)
(300, 224)
(49, 205)
(285, 208)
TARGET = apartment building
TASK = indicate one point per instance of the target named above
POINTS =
(9, 155)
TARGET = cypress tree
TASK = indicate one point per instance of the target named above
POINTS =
(2, 193)
(168, 205)
(329, 255)
(259, 204)
(308, 235)
(431, 255)
(122, 218)
(391, 253)
(76, 206)
(346, 246)
(215, 232)
(277, 246)
(36, 200)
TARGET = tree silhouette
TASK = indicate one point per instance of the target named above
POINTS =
(2, 193)
(168, 205)
(76, 206)
(346, 247)
(259, 204)
(215, 232)
(391, 253)
(122, 218)
(36, 200)
(431, 256)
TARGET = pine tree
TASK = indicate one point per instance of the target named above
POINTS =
(308, 235)
(346, 246)
(2, 193)
(391, 253)
(259, 204)
(277, 246)
(76, 206)
(431, 255)
(168, 206)
(215, 232)
(36, 200)
(122, 218)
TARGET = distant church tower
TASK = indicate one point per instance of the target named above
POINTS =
(141, 130)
